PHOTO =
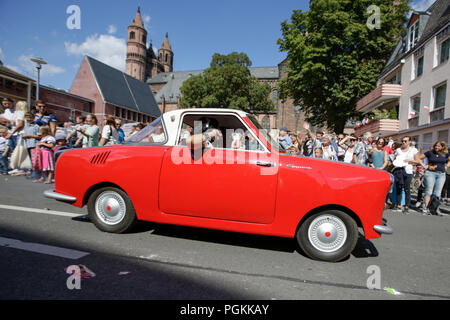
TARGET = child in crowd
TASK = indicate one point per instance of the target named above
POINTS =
(4, 150)
(46, 145)
(318, 153)
(60, 141)
(31, 136)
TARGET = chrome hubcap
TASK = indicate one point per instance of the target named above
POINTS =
(327, 233)
(110, 207)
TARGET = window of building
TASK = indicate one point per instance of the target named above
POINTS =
(427, 141)
(419, 67)
(395, 79)
(440, 96)
(132, 35)
(117, 112)
(413, 34)
(444, 51)
(443, 136)
(414, 109)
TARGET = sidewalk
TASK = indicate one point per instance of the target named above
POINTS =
(443, 208)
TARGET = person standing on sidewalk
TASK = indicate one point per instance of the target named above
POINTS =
(363, 150)
(32, 137)
(406, 154)
(438, 162)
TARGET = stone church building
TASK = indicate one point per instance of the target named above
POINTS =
(142, 62)
(157, 72)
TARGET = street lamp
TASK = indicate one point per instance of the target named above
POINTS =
(39, 62)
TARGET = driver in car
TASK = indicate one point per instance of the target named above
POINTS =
(210, 133)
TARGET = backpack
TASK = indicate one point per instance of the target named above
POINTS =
(434, 204)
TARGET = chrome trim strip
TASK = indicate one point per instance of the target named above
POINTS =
(383, 229)
(58, 196)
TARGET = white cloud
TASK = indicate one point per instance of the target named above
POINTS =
(2, 56)
(421, 5)
(112, 29)
(14, 68)
(28, 67)
(106, 48)
(146, 18)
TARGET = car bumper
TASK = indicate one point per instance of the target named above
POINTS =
(383, 229)
(59, 196)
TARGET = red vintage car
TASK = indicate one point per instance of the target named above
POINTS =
(237, 180)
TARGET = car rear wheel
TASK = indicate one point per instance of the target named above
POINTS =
(111, 210)
(328, 236)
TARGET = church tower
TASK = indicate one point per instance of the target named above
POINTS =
(136, 62)
(165, 54)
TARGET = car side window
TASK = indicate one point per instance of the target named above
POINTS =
(234, 134)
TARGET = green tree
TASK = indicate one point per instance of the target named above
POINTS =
(227, 83)
(334, 57)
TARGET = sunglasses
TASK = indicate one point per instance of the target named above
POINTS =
(405, 141)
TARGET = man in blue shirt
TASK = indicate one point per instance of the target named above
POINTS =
(43, 118)
(283, 138)
(120, 131)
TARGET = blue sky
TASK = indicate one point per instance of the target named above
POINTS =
(197, 29)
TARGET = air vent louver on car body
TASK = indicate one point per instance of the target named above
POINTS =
(100, 158)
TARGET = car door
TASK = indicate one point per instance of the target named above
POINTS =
(219, 183)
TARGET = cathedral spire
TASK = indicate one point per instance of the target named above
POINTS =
(137, 21)
(166, 43)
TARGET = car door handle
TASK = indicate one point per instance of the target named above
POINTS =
(265, 164)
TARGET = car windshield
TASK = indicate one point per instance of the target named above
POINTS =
(154, 133)
(266, 135)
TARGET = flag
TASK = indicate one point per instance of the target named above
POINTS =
(426, 108)
(412, 113)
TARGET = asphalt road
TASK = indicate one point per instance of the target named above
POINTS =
(40, 238)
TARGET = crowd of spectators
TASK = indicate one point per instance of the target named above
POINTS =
(37, 133)
(430, 169)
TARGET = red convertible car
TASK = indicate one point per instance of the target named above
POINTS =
(239, 179)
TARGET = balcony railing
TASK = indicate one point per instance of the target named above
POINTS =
(384, 127)
(384, 93)
(437, 115)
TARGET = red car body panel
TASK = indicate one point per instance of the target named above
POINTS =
(232, 196)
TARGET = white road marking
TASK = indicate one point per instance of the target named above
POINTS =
(52, 212)
(42, 248)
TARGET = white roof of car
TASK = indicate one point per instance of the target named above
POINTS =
(205, 110)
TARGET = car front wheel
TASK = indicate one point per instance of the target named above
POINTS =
(328, 236)
(111, 210)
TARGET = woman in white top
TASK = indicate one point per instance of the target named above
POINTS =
(348, 157)
(17, 126)
(110, 135)
(328, 152)
(405, 157)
